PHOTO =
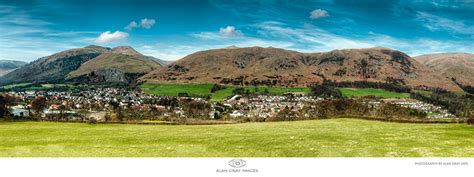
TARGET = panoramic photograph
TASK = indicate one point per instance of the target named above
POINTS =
(237, 80)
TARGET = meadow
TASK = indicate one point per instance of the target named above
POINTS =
(31, 86)
(220, 95)
(205, 90)
(315, 138)
(361, 92)
(15, 85)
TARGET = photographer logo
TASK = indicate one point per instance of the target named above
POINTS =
(237, 167)
(237, 163)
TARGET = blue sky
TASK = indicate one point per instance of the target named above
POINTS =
(171, 29)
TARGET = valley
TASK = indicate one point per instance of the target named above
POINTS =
(328, 97)
(7, 66)
(236, 88)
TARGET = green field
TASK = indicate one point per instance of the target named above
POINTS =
(317, 138)
(205, 89)
(175, 89)
(360, 92)
(15, 85)
(29, 86)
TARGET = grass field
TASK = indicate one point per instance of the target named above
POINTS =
(27, 86)
(205, 89)
(360, 92)
(318, 138)
(15, 85)
(175, 89)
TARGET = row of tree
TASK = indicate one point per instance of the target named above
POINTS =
(459, 105)
(390, 85)
(333, 108)
(6, 101)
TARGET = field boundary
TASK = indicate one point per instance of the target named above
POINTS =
(204, 122)
(217, 122)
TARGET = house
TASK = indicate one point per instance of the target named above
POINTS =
(236, 114)
(19, 111)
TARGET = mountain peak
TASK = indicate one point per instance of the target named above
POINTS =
(126, 50)
(456, 66)
(232, 47)
(96, 47)
(9, 65)
(381, 47)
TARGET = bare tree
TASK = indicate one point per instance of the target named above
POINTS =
(38, 105)
(4, 111)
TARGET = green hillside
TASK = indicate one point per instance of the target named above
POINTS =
(205, 89)
(361, 92)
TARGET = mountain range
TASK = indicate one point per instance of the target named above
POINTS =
(91, 64)
(458, 67)
(7, 66)
(251, 66)
(279, 67)
(121, 64)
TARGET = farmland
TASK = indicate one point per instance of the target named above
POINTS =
(15, 85)
(220, 95)
(30, 86)
(316, 138)
(360, 92)
(205, 90)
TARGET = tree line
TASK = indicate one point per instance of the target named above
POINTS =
(348, 108)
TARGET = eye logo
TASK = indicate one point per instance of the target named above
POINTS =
(237, 163)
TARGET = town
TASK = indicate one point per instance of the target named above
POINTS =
(120, 104)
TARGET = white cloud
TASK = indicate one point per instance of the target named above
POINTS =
(207, 35)
(25, 36)
(132, 25)
(436, 23)
(169, 51)
(224, 33)
(69, 33)
(175, 51)
(107, 37)
(318, 13)
(230, 31)
(309, 39)
(147, 23)
(313, 39)
(419, 46)
(144, 23)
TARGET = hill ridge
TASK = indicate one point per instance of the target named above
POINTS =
(280, 67)
(58, 67)
(456, 66)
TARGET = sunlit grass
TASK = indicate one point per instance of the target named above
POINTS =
(205, 90)
(360, 92)
(317, 138)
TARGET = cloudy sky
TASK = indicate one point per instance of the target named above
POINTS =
(171, 29)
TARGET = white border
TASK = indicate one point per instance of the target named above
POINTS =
(182, 167)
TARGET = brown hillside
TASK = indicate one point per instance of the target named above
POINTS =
(279, 67)
(459, 66)
(53, 68)
(121, 60)
(7, 66)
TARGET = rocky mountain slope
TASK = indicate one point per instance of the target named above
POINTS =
(53, 68)
(160, 61)
(457, 66)
(279, 67)
(121, 64)
(7, 66)
(89, 64)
